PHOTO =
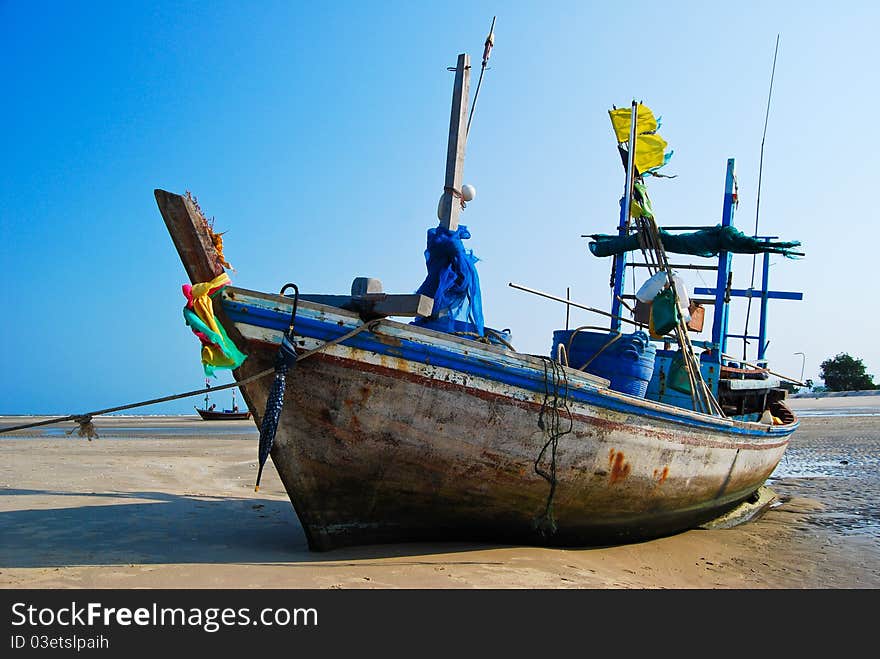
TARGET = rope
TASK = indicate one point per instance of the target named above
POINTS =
(545, 524)
(561, 355)
(701, 395)
(485, 339)
(85, 419)
(600, 351)
(457, 194)
(86, 428)
(487, 51)
(588, 327)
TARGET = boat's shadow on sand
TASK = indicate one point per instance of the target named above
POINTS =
(162, 528)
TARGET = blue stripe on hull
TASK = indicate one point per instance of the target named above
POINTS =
(528, 379)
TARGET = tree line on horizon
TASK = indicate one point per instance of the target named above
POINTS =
(842, 372)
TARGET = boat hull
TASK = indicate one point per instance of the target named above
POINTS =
(213, 415)
(404, 434)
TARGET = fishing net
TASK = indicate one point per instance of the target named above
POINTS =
(705, 242)
(452, 281)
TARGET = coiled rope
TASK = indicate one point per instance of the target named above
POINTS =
(486, 338)
(555, 399)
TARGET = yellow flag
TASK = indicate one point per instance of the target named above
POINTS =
(650, 150)
(620, 120)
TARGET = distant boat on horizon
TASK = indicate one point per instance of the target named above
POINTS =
(211, 413)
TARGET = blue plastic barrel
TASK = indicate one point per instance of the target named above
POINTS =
(628, 362)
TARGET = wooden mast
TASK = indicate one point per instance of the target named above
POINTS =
(450, 203)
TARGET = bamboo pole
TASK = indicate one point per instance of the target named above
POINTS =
(571, 303)
(761, 368)
(692, 366)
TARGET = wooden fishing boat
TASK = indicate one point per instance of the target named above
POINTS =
(210, 413)
(392, 431)
(223, 415)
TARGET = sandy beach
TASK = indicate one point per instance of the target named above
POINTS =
(173, 506)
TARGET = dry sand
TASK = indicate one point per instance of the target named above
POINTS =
(180, 512)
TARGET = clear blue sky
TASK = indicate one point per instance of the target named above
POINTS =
(315, 134)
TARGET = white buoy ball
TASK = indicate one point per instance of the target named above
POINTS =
(468, 192)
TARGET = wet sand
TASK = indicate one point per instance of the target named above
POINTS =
(173, 510)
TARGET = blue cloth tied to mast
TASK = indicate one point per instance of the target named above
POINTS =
(452, 281)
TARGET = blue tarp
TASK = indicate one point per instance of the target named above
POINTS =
(452, 281)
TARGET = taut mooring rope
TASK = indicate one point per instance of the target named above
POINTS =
(87, 417)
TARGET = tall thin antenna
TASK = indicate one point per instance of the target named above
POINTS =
(487, 51)
(758, 202)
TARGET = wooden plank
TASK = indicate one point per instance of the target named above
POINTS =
(384, 305)
(338, 301)
(450, 205)
(189, 233)
(405, 305)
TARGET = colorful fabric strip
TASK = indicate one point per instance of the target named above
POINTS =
(218, 350)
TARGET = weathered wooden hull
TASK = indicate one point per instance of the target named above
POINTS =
(401, 433)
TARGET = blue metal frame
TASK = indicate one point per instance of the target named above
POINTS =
(619, 273)
(720, 334)
(623, 226)
(720, 318)
(765, 295)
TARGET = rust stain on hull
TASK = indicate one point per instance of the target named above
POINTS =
(620, 468)
(660, 475)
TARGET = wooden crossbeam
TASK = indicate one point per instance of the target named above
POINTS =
(377, 305)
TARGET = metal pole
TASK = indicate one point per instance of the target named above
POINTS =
(803, 363)
(719, 321)
(753, 365)
(567, 306)
(627, 202)
(569, 302)
(487, 50)
(623, 226)
(762, 325)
